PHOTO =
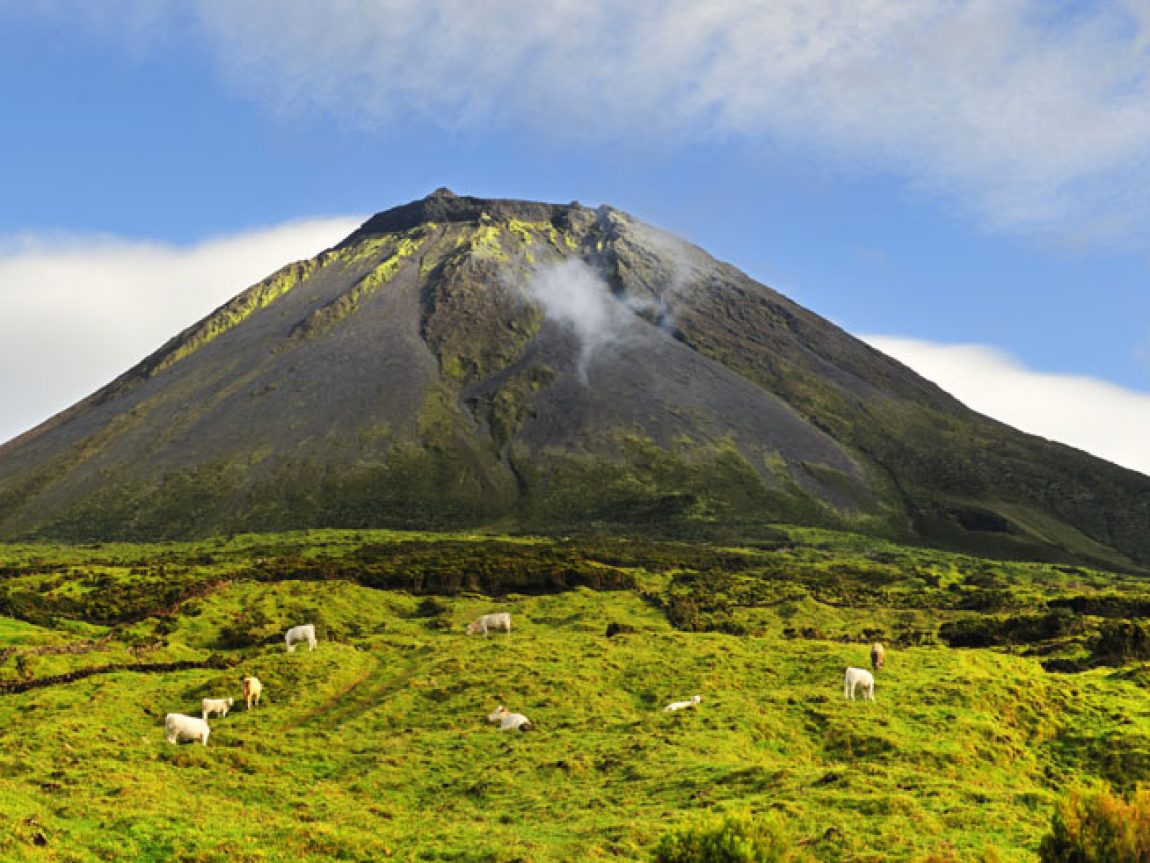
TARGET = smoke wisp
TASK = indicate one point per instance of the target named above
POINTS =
(576, 297)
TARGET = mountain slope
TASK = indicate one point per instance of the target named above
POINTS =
(468, 362)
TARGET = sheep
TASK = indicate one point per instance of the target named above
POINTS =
(499, 621)
(856, 677)
(300, 633)
(877, 656)
(252, 691)
(217, 705)
(180, 728)
(507, 720)
(680, 705)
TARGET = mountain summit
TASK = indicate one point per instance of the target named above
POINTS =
(461, 362)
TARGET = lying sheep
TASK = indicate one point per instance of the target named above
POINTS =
(856, 677)
(507, 720)
(180, 728)
(214, 706)
(681, 705)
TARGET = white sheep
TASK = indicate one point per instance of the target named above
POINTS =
(507, 720)
(681, 705)
(856, 677)
(219, 706)
(180, 728)
(252, 691)
(306, 632)
(500, 621)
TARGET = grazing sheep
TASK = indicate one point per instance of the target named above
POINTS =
(856, 677)
(180, 728)
(681, 705)
(877, 656)
(507, 720)
(499, 621)
(217, 705)
(300, 633)
(252, 691)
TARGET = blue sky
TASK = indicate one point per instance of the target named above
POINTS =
(962, 183)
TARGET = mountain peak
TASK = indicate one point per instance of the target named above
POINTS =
(461, 362)
(444, 206)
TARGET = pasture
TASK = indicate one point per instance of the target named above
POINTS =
(375, 745)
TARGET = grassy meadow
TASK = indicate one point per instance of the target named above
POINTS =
(374, 747)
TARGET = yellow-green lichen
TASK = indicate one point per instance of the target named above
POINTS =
(486, 242)
(531, 233)
(383, 273)
(363, 250)
(453, 368)
(373, 435)
(387, 244)
(345, 304)
(239, 309)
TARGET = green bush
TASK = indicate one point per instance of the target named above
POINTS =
(1121, 641)
(1098, 826)
(949, 854)
(451, 567)
(1020, 629)
(247, 627)
(736, 839)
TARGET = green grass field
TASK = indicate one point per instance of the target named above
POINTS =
(374, 747)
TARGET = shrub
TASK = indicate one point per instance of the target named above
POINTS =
(1120, 641)
(614, 629)
(1021, 629)
(247, 628)
(735, 839)
(431, 606)
(949, 854)
(1104, 605)
(1098, 826)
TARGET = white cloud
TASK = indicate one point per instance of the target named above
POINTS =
(78, 311)
(1035, 115)
(1093, 415)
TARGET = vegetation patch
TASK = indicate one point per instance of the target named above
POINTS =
(375, 745)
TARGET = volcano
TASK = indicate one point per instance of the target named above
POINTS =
(461, 363)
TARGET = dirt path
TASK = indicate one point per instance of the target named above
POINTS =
(361, 695)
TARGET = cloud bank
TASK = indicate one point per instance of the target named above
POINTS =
(1103, 419)
(78, 311)
(1034, 115)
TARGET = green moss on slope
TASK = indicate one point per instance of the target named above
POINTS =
(237, 311)
(181, 504)
(707, 490)
(475, 321)
(399, 249)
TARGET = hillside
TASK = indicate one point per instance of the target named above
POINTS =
(459, 362)
(374, 746)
